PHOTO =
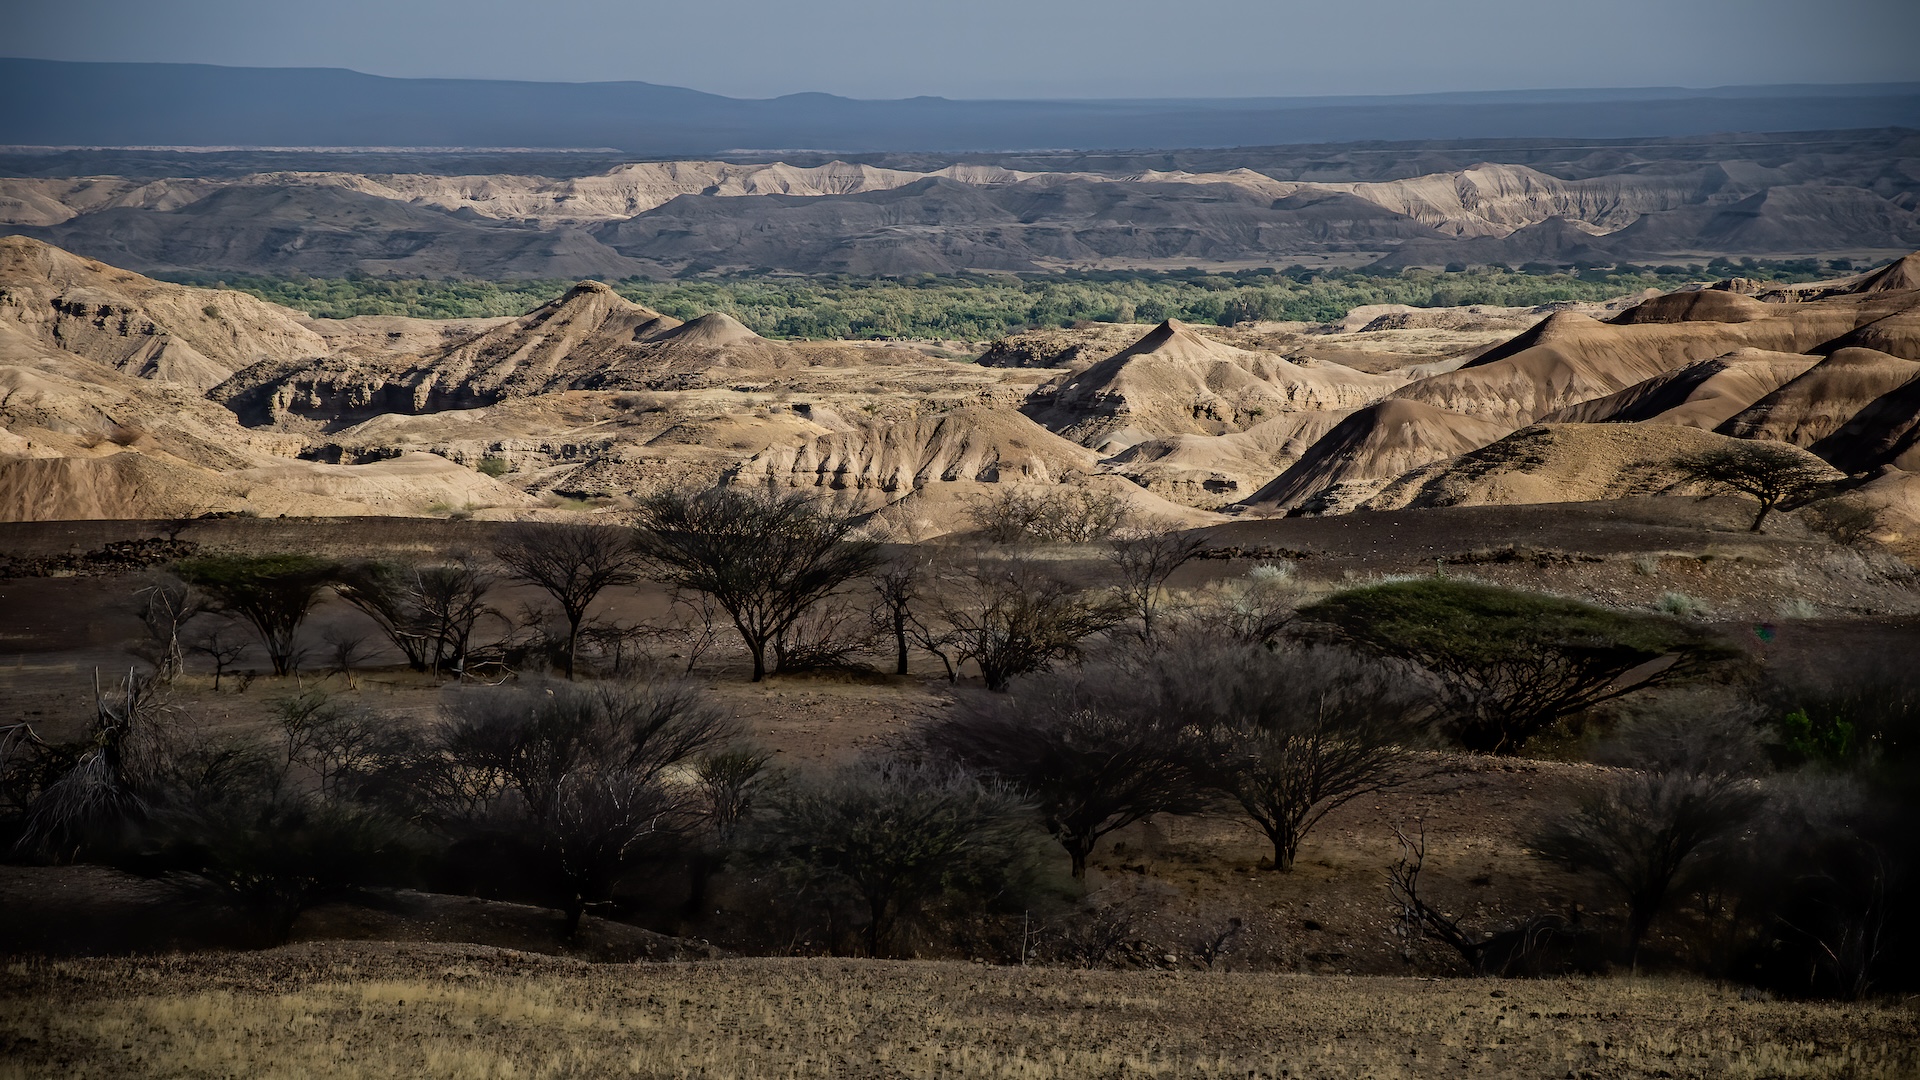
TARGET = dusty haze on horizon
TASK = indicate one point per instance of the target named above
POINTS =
(1013, 48)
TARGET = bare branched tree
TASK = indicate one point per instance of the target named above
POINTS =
(899, 586)
(572, 563)
(527, 738)
(166, 605)
(1511, 951)
(572, 777)
(767, 559)
(896, 838)
(1093, 754)
(694, 622)
(732, 781)
(1294, 735)
(345, 650)
(1847, 522)
(1640, 827)
(224, 643)
(602, 822)
(1254, 609)
(1145, 556)
(1066, 515)
(1014, 617)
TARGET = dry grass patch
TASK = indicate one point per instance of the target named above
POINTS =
(461, 1011)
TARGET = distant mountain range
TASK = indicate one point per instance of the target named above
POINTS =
(58, 103)
(1804, 194)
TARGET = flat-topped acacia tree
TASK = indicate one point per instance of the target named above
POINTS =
(1511, 664)
(766, 558)
(1772, 474)
(272, 593)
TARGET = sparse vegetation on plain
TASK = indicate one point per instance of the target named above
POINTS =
(462, 1012)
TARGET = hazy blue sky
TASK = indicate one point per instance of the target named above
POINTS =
(1010, 48)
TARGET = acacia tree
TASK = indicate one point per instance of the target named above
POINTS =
(1145, 556)
(1510, 664)
(429, 612)
(1012, 617)
(272, 593)
(1682, 790)
(1293, 735)
(1092, 753)
(572, 563)
(1772, 473)
(568, 780)
(898, 587)
(896, 838)
(765, 558)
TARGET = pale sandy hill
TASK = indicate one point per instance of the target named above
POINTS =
(1699, 305)
(590, 338)
(1366, 450)
(383, 335)
(126, 484)
(1858, 409)
(938, 509)
(413, 483)
(32, 201)
(1898, 276)
(587, 330)
(630, 190)
(1496, 199)
(1822, 400)
(931, 470)
(1218, 470)
(714, 340)
(986, 445)
(1901, 275)
(1549, 463)
(56, 404)
(1176, 381)
(1569, 358)
(129, 483)
(712, 330)
(1703, 394)
(150, 329)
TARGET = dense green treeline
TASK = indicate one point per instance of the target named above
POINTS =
(983, 306)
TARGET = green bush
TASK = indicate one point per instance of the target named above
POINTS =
(1511, 664)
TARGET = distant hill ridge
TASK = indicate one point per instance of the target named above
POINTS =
(60, 103)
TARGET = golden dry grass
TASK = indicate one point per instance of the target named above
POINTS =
(460, 1011)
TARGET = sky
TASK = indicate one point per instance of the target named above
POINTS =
(1010, 48)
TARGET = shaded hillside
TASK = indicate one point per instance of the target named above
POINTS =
(1366, 450)
(1569, 359)
(1703, 394)
(1551, 463)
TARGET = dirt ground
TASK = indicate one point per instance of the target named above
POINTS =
(1179, 881)
(356, 1010)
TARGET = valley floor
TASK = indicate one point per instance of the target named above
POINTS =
(365, 1010)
